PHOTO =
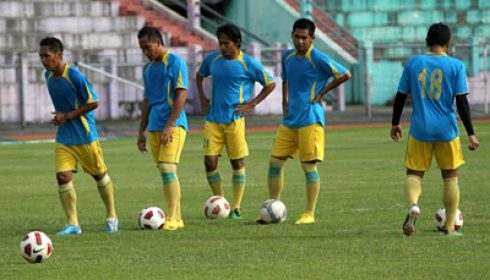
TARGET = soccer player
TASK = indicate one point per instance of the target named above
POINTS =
(233, 76)
(165, 77)
(74, 101)
(307, 75)
(435, 80)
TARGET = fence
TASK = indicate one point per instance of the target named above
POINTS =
(384, 64)
(24, 98)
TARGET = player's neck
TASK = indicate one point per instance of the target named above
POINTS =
(160, 57)
(232, 55)
(438, 49)
(59, 69)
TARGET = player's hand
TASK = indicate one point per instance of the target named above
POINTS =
(141, 143)
(59, 118)
(396, 133)
(167, 135)
(244, 108)
(474, 143)
(317, 99)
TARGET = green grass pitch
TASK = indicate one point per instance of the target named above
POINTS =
(357, 235)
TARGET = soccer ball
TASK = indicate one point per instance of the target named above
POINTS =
(273, 211)
(216, 207)
(440, 219)
(36, 247)
(151, 218)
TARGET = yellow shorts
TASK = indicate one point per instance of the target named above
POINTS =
(232, 136)
(169, 153)
(89, 156)
(419, 155)
(308, 140)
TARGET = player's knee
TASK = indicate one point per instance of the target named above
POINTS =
(237, 163)
(168, 172)
(276, 162)
(100, 177)
(309, 167)
(211, 163)
(103, 180)
(63, 177)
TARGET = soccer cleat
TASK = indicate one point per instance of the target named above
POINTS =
(69, 230)
(411, 220)
(454, 233)
(305, 219)
(235, 214)
(171, 224)
(180, 224)
(112, 225)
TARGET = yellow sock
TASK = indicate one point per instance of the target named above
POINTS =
(451, 201)
(312, 187)
(275, 177)
(171, 189)
(106, 191)
(239, 181)
(68, 198)
(215, 182)
(413, 189)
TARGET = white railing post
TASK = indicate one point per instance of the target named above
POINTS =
(24, 84)
(193, 15)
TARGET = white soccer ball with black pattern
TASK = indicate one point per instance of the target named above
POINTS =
(36, 247)
(151, 218)
(216, 207)
(440, 219)
(273, 211)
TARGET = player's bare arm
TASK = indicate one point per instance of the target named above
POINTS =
(168, 130)
(60, 118)
(284, 99)
(141, 142)
(202, 97)
(334, 84)
(245, 108)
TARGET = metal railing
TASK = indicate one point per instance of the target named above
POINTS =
(109, 75)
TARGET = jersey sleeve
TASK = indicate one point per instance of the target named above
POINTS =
(259, 74)
(460, 85)
(331, 67)
(83, 87)
(143, 74)
(204, 69)
(180, 74)
(404, 84)
(284, 75)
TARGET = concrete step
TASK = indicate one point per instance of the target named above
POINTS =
(97, 40)
(82, 24)
(179, 36)
(53, 8)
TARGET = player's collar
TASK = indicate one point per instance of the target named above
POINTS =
(436, 53)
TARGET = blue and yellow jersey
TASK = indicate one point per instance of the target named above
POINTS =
(306, 77)
(232, 82)
(161, 80)
(434, 80)
(68, 93)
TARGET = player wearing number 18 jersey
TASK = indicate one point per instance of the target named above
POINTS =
(434, 80)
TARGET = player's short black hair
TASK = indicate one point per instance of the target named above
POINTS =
(53, 43)
(152, 33)
(231, 31)
(438, 34)
(304, 23)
